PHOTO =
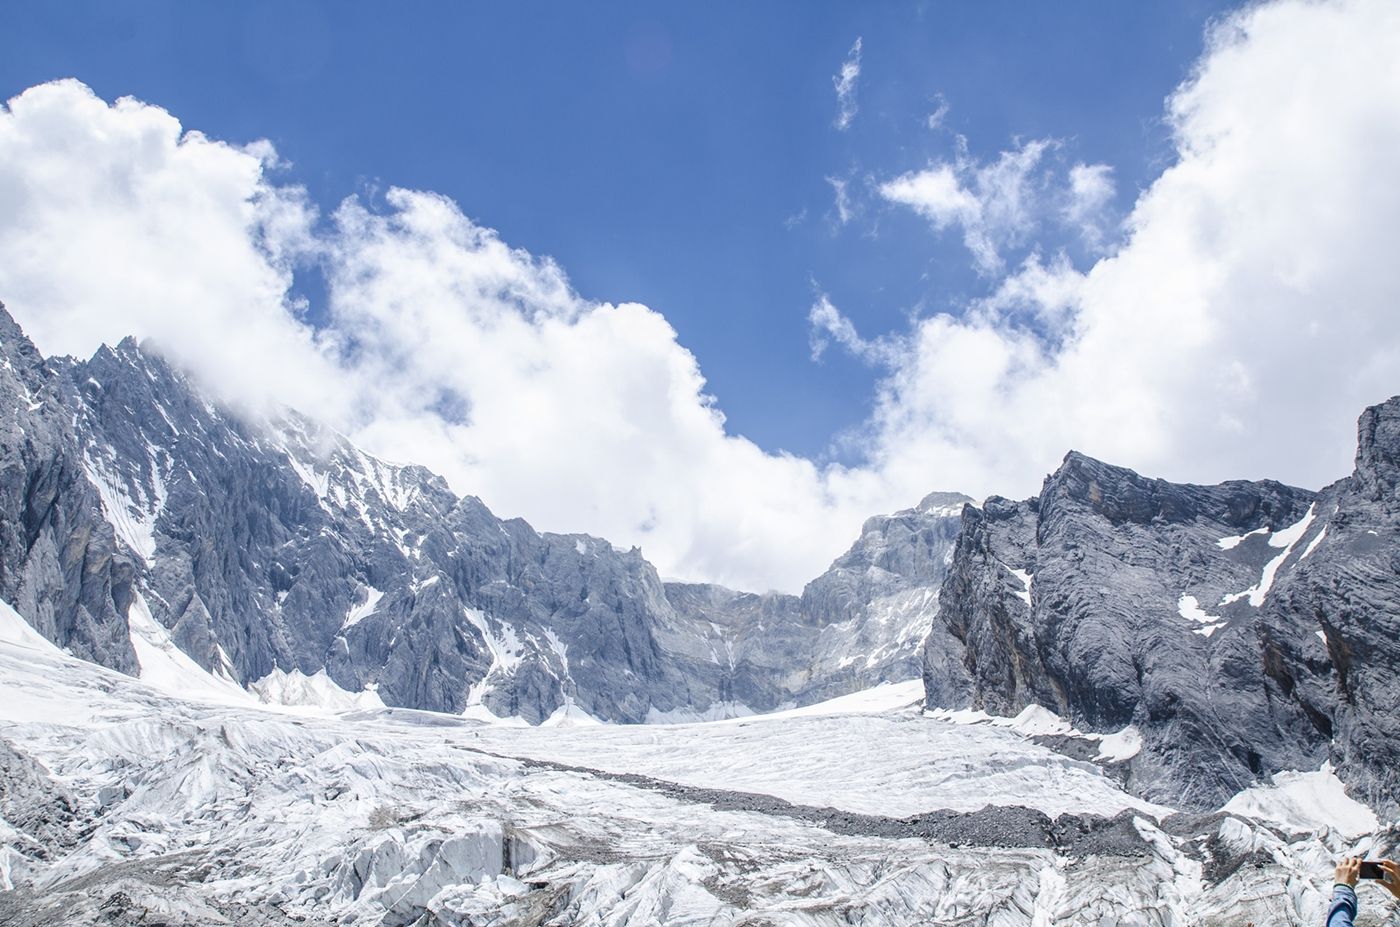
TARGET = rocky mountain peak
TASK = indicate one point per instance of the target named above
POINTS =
(24, 359)
(943, 503)
(269, 551)
(1115, 493)
(1378, 452)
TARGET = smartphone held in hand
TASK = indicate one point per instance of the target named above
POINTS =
(1372, 870)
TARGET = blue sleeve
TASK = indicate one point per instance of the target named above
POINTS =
(1343, 910)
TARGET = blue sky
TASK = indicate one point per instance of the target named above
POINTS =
(662, 274)
(675, 155)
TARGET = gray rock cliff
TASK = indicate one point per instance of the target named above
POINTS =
(1243, 629)
(60, 564)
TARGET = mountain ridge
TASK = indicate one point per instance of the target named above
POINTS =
(280, 547)
(1231, 631)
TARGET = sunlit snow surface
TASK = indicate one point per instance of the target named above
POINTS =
(894, 763)
(197, 812)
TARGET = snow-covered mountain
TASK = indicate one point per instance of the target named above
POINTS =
(1241, 629)
(278, 556)
(254, 675)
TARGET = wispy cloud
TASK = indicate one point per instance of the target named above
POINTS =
(1090, 192)
(840, 189)
(845, 83)
(828, 325)
(940, 112)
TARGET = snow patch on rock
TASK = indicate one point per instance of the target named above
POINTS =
(1190, 609)
(364, 609)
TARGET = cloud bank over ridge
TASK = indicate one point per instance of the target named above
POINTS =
(1236, 330)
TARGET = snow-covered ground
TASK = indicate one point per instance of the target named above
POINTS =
(125, 804)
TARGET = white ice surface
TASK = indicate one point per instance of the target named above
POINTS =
(1305, 802)
(1124, 745)
(1312, 545)
(133, 520)
(886, 697)
(168, 668)
(18, 632)
(1285, 538)
(505, 647)
(1025, 593)
(865, 755)
(1190, 609)
(1234, 540)
(1039, 721)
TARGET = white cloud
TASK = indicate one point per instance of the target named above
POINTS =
(842, 199)
(578, 416)
(845, 84)
(112, 222)
(828, 325)
(1246, 320)
(995, 204)
(1237, 330)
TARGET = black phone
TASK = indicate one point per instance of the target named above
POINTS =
(1371, 870)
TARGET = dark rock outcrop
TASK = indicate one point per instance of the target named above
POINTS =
(1244, 628)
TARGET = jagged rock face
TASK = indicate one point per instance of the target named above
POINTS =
(1244, 628)
(59, 560)
(875, 603)
(262, 548)
(1347, 593)
(286, 548)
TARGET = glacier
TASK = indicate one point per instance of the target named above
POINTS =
(125, 803)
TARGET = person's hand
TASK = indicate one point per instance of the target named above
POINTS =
(1392, 876)
(1349, 870)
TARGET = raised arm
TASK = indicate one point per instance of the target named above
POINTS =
(1342, 913)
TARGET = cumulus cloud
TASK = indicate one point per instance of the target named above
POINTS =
(1243, 323)
(1238, 326)
(443, 345)
(845, 84)
(113, 221)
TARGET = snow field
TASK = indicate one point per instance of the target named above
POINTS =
(893, 764)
